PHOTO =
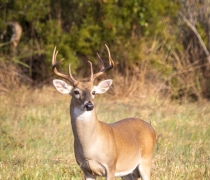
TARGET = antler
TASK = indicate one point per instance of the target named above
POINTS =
(103, 68)
(54, 64)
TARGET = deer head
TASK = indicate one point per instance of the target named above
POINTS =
(82, 92)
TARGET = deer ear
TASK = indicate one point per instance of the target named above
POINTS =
(62, 87)
(103, 86)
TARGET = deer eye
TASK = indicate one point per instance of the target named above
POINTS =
(76, 92)
(94, 93)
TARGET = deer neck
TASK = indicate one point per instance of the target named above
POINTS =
(84, 124)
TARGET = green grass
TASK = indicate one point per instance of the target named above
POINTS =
(36, 140)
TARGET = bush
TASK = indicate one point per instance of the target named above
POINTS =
(81, 28)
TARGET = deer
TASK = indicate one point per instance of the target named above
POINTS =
(13, 41)
(122, 149)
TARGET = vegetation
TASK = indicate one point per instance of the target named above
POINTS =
(161, 74)
(80, 29)
(36, 140)
(168, 39)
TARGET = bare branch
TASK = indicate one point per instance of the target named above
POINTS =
(193, 28)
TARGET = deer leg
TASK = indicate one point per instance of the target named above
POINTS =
(110, 178)
(110, 174)
(129, 177)
(145, 168)
(89, 176)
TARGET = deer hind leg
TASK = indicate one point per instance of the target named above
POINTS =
(145, 168)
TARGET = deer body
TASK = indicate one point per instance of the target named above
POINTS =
(122, 149)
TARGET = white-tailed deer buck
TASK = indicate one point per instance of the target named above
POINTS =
(122, 149)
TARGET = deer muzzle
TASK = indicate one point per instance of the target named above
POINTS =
(89, 106)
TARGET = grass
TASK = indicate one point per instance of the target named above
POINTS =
(36, 140)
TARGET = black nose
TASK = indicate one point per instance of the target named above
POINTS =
(89, 106)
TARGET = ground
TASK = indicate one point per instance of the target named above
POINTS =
(36, 140)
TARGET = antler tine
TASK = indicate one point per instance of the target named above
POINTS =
(91, 70)
(103, 68)
(54, 69)
(108, 51)
(101, 61)
(111, 62)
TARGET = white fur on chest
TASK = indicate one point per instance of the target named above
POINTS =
(82, 115)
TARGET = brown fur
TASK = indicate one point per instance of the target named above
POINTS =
(124, 148)
(104, 149)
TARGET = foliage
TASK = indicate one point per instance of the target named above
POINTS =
(79, 29)
(142, 35)
(191, 61)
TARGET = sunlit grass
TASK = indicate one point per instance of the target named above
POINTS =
(36, 140)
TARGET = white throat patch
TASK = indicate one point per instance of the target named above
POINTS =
(82, 115)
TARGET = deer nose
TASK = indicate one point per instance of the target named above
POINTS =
(89, 106)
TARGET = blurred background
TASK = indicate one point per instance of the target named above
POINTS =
(163, 43)
(161, 74)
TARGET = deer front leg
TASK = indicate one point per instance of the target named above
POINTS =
(110, 177)
(110, 174)
(89, 176)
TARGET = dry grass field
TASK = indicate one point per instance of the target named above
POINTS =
(36, 140)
